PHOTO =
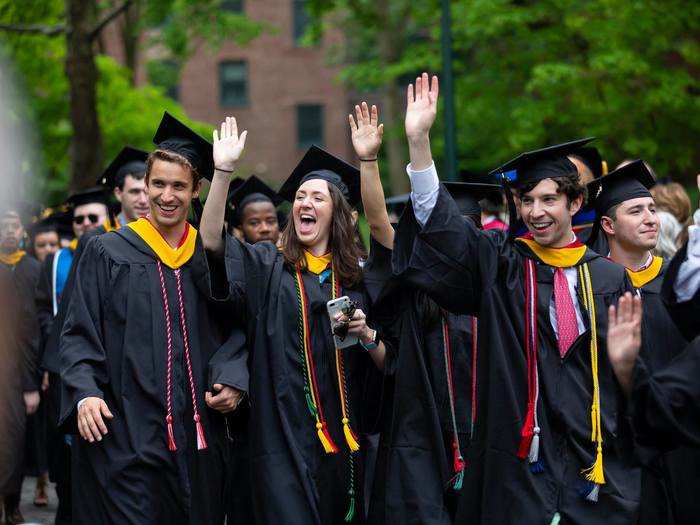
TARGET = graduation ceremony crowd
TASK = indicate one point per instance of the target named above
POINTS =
(520, 347)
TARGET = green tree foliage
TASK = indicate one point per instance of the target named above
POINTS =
(533, 73)
(127, 114)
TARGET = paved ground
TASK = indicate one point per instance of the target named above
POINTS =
(32, 514)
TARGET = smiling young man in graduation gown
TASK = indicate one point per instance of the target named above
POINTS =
(543, 447)
(626, 216)
(136, 354)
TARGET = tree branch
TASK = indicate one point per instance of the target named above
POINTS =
(36, 29)
(109, 17)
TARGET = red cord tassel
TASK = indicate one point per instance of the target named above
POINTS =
(172, 447)
(527, 432)
(201, 440)
(458, 460)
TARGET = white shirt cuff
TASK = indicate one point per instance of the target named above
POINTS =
(423, 182)
(80, 403)
(688, 278)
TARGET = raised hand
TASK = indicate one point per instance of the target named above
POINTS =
(229, 146)
(366, 134)
(421, 106)
(625, 338)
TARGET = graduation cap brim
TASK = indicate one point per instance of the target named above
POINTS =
(97, 194)
(173, 135)
(252, 186)
(319, 164)
(128, 161)
(523, 168)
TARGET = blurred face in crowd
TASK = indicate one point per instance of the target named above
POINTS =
(633, 224)
(170, 192)
(45, 243)
(133, 198)
(547, 214)
(259, 222)
(584, 172)
(312, 212)
(87, 217)
(11, 232)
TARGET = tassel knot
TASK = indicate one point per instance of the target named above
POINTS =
(172, 447)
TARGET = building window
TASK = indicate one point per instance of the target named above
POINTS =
(233, 83)
(309, 125)
(301, 20)
(165, 74)
(232, 6)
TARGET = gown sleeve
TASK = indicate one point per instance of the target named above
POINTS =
(229, 365)
(665, 406)
(447, 258)
(685, 313)
(44, 310)
(81, 352)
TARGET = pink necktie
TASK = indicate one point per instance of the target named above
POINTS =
(567, 327)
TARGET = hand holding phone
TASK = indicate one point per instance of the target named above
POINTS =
(342, 305)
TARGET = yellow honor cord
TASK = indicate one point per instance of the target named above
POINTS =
(646, 275)
(557, 257)
(172, 257)
(594, 473)
(12, 258)
(350, 437)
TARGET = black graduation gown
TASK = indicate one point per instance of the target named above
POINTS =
(661, 342)
(113, 346)
(468, 271)
(413, 479)
(19, 340)
(685, 314)
(293, 479)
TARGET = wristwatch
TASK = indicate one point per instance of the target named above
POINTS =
(374, 342)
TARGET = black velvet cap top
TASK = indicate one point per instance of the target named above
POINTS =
(630, 181)
(129, 161)
(172, 135)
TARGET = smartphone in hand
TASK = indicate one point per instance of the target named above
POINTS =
(340, 334)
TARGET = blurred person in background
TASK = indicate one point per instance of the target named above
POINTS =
(44, 239)
(18, 339)
(673, 203)
(669, 233)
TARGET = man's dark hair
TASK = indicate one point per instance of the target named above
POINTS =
(120, 178)
(568, 185)
(612, 212)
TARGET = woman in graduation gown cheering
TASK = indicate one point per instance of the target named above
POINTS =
(306, 396)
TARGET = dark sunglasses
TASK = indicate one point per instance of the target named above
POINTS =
(93, 218)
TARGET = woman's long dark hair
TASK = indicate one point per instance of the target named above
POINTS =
(346, 251)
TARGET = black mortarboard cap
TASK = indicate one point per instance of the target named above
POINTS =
(468, 194)
(319, 164)
(129, 161)
(96, 194)
(59, 218)
(541, 164)
(631, 181)
(590, 156)
(173, 135)
(253, 190)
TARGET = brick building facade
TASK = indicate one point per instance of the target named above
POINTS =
(285, 95)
